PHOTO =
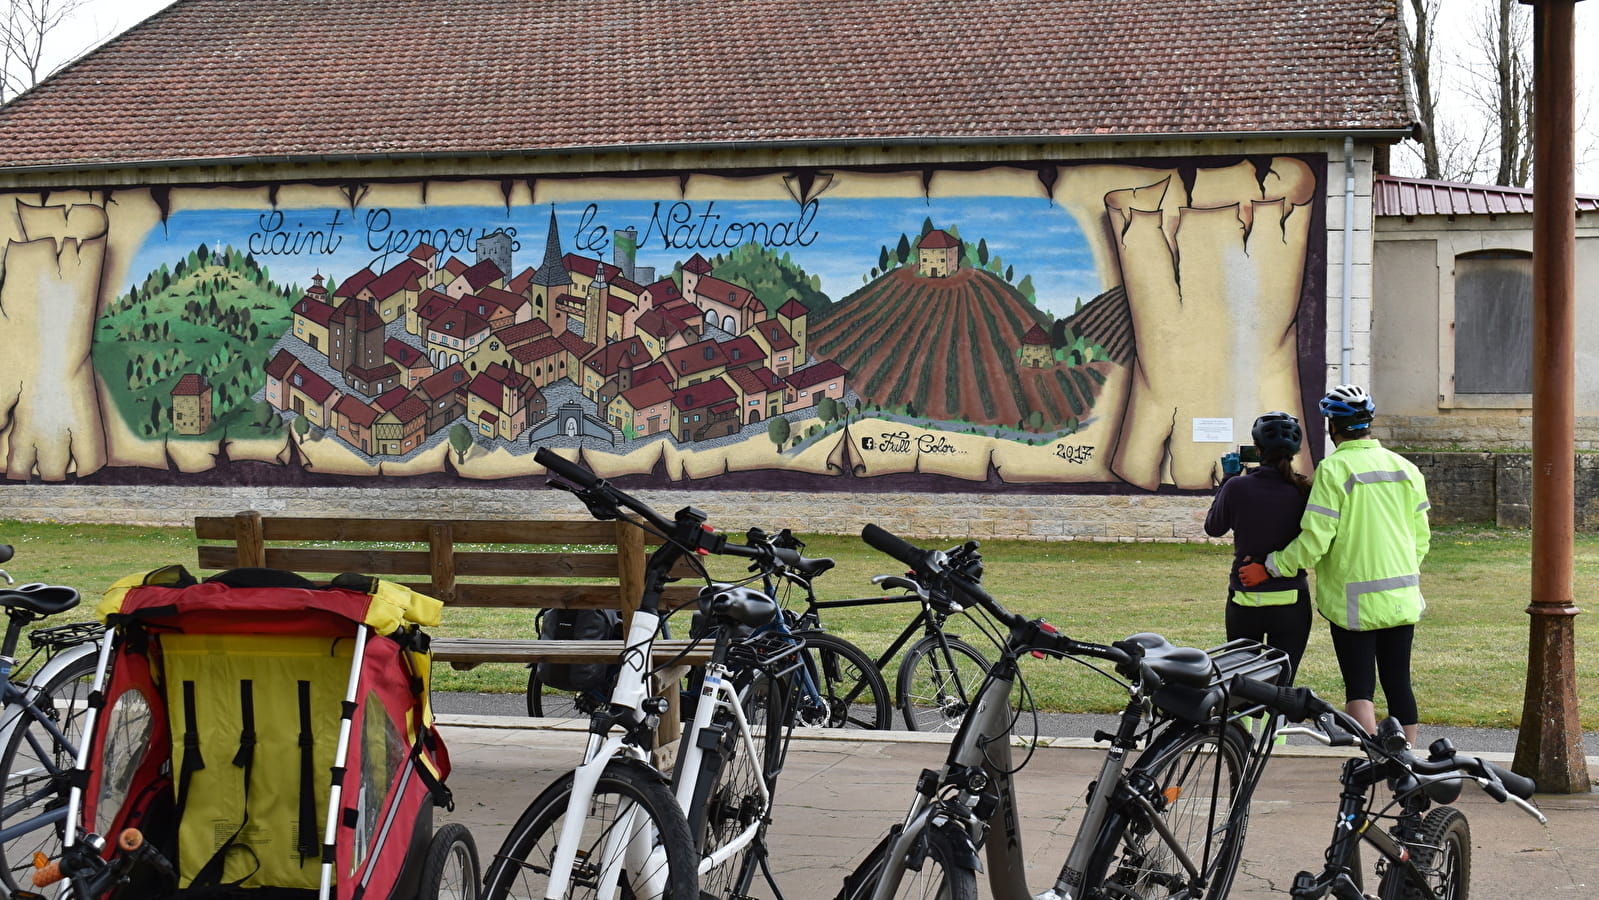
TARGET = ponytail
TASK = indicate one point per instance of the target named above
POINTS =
(1285, 467)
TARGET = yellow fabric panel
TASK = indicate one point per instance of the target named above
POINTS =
(393, 605)
(111, 601)
(214, 810)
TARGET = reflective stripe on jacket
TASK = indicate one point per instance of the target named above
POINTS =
(1365, 533)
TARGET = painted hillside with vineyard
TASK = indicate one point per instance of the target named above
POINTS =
(965, 346)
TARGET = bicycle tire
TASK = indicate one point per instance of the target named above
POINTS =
(853, 690)
(35, 768)
(1442, 850)
(728, 797)
(933, 689)
(520, 867)
(1178, 768)
(544, 701)
(450, 869)
(934, 878)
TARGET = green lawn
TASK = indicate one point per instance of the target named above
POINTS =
(1470, 658)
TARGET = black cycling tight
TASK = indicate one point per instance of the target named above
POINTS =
(1387, 651)
(1285, 627)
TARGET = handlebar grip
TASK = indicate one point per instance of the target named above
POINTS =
(5, 552)
(895, 546)
(565, 468)
(1295, 703)
(1520, 785)
(130, 839)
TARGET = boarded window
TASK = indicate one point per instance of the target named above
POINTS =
(1493, 323)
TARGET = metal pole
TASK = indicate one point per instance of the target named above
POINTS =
(1549, 749)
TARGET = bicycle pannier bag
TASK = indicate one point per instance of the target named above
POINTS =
(578, 625)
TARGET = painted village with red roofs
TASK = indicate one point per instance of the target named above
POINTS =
(576, 348)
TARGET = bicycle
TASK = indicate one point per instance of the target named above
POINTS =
(936, 678)
(839, 686)
(1171, 824)
(1424, 853)
(616, 823)
(44, 722)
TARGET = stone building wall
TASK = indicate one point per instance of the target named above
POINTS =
(1463, 487)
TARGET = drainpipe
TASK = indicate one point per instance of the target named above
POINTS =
(1349, 260)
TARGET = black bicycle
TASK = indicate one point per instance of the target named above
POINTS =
(1424, 850)
(1166, 822)
(938, 675)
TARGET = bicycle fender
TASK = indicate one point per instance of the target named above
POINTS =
(49, 670)
(642, 767)
(958, 841)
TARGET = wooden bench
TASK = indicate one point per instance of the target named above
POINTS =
(518, 571)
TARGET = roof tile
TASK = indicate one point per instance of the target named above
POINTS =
(231, 80)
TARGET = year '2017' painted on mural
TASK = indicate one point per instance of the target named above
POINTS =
(1001, 327)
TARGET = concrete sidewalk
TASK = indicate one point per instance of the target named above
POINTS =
(841, 791)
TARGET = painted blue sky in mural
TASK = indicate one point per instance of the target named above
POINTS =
(835, 239)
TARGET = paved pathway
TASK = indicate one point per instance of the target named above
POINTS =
(840, 792)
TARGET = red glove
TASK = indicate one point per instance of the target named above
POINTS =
(1252, 574)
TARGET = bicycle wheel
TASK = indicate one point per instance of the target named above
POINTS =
(934, 877)
(632, 811)
(850, 692)
(1190, 776)
(36, 769)
(544, 701)
(1442, 851)
(935, 687)
(449, 871)
(729, 800)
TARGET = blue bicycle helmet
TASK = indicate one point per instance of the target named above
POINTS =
(1349, 406)
(1277, 433)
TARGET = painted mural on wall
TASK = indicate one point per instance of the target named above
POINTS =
(1093, 323)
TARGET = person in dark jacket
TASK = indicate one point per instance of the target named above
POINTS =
(1262, 509)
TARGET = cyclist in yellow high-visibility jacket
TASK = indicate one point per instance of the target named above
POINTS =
(1365, 533)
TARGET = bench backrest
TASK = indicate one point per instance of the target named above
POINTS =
(523, 552)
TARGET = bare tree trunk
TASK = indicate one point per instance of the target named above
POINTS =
(1418, 44)
(1512, 91)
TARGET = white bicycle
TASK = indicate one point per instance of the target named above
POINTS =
(616, 826)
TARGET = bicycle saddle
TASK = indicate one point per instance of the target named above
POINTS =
(1175, 665)
(811, 568)
(740, 605)
(39, 598)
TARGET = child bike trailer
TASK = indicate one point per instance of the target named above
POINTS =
(264, 736)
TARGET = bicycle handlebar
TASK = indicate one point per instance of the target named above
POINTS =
(932, 570)
(1299, 703)
(603, 500)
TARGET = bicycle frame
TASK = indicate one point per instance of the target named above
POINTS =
(717, 693)
(21, 705)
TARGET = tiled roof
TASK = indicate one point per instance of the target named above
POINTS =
(228, 79)
(706, 354)
(351, 407)
(349, 287)
(816, 374)
(406, 276)
(1393, 196)
(792, 309)
(190, 385)
(648, 394)
(281, 364)
(706, 393)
